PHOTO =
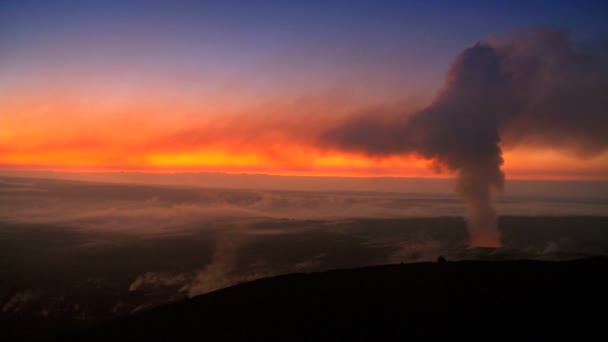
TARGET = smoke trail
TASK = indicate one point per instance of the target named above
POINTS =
(531, 90)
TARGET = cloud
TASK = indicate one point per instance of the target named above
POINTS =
(219, 273)
(537, 87)
(150, 210)
(19, 300)
(563, 88)
(157, 279)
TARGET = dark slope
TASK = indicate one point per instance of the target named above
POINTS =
(456, 301)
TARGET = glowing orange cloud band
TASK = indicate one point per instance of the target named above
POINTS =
(281, 159)
(61, 132)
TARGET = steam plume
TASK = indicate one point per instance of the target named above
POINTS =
(537, 87)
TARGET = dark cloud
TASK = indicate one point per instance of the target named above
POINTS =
(564, 87)
(536, 87)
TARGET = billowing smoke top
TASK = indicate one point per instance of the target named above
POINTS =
(537, 88)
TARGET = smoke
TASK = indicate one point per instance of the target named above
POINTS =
(538, 87)
(564, 87)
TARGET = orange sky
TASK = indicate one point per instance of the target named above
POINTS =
(94, 126)
(73, 133)
(176, 89)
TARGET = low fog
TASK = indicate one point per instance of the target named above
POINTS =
(136, 246)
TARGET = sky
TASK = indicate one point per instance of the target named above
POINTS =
(249, 86)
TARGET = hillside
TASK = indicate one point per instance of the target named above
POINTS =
(453, 301)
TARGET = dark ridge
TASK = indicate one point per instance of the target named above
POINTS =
(451, 301)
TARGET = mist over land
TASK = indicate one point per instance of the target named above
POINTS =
(83, 251)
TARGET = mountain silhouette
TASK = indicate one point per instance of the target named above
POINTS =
(449, 301)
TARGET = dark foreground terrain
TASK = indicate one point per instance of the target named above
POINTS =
(453, 301)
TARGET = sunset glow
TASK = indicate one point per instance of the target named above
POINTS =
(130, 146)
(123, 95)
